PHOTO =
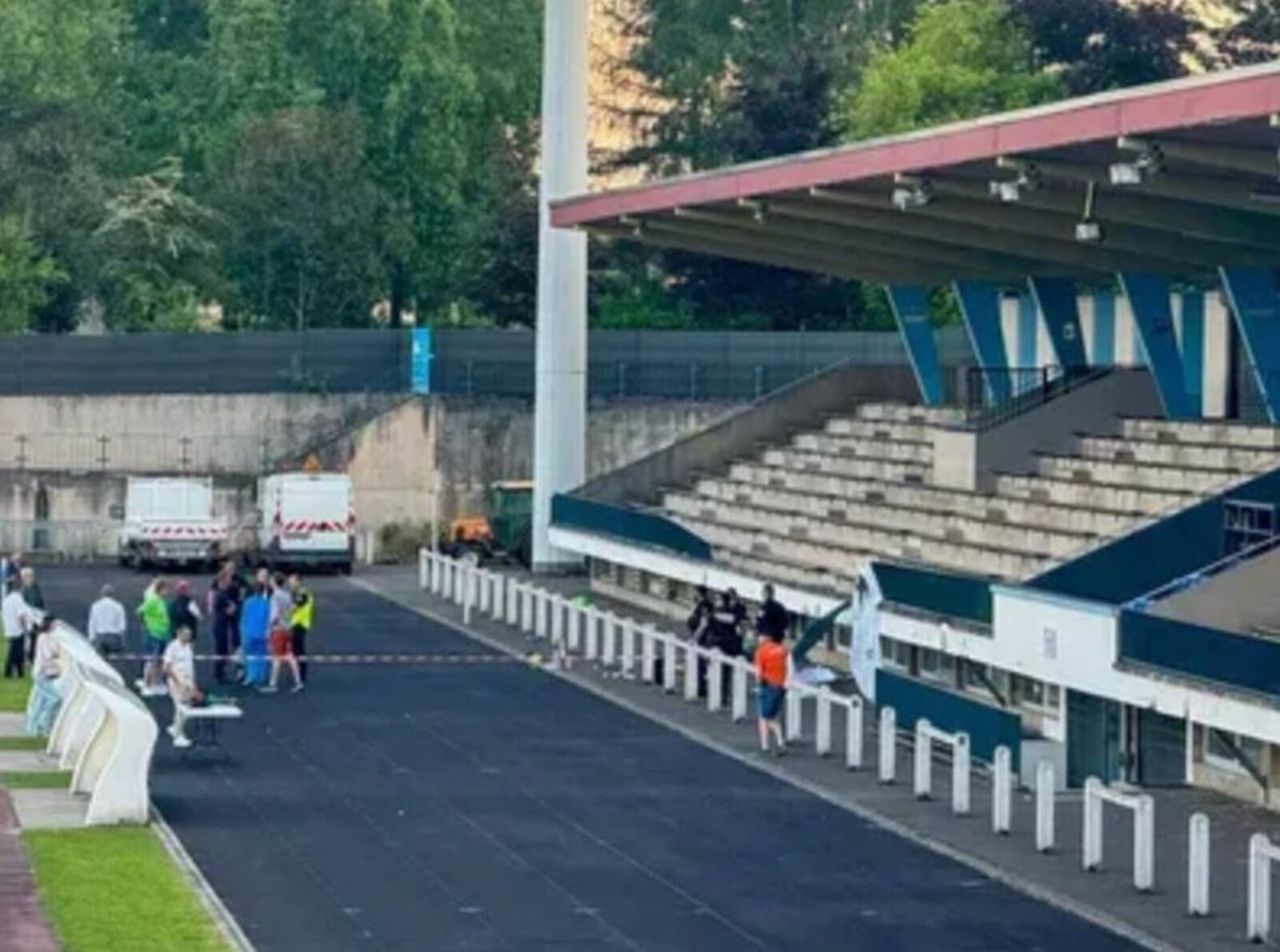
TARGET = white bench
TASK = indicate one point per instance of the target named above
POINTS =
(210, 715)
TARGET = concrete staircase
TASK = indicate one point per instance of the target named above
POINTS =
(810, 513)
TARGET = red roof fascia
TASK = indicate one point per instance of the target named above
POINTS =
(1148, 109)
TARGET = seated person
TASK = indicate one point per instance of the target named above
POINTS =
(180, 673)
(46, 699)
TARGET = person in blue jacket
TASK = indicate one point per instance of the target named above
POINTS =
(255, 627)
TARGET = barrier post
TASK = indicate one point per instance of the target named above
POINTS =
(423, 569)
(739, 691)
(961, 774)
(669, 664)
(590, 630)
(446, 579)
(433, 573)
(500, 597)
(609, 632)
(540, 598)
(573, 636)
(690, 671)
(1091, 856)
(822, 728)
(1261, 853)
(1143, 807)
(526, 608)
(648, 655)
(482, 591)
(923, 776)
(888, 744)
(794, 727)
(853, 734)
(557, 605)
(469, 587)
(513, 603)
(1144, 843)
(460, 574)
(1002, 791)
(1045, 800)
(627, 632)
(1198, 865)
(715, 680)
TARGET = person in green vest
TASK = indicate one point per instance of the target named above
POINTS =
(154, 615)
(300, 623)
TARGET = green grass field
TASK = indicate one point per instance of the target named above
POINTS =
(110, 890)
(13, 694)
(36, 779)
(23, 743)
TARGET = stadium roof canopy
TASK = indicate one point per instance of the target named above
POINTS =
(1173, 179)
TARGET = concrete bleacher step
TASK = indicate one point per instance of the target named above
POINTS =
(877, 514)
(881, 429)
(816, 542)
(1216, 432)
(1126, 500)
(993, 508)
(898, 451)
(1165, 453)
(1140, 475)
(859, 467)
(910, 413)
(805, 577)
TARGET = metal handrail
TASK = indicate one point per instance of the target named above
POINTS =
(1029, 388)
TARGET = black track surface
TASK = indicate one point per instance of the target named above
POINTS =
(465, 808)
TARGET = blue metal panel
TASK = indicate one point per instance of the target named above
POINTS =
(420, 357)
(1104, 328)
(911, 308)
(1149, 300)
(980, 307)
(946, 594)
(1193, 347)
(1057, 300)
(631, 525)
(1210, 654)
(988, 726)
(1028, 331)
(1257, 309)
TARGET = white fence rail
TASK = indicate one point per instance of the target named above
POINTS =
(1144, 836)
(926, 736)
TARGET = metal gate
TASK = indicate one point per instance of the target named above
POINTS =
(1093, 739)
(1160, 749)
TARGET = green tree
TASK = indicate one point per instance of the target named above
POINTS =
(26, 276)
(962, 58)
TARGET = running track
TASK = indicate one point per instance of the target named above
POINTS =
(473, 808)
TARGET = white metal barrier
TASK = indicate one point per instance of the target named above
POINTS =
(1002, 791)
(888, 745)
(1143, 809)
(1198, 865)
(1262, 853)
(103, 733)
(926, 734)
(1046, 794)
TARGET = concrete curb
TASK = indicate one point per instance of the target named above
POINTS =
(223, 920)
(1051, 897)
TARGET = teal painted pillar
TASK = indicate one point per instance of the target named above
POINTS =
(1056, 298)
(911, 310)
(1104, 328)
(1153, 315)
(1256, 306)
(1028, 331)
(1192, 339)
(980, 308)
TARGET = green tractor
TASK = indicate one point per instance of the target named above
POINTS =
(506, 534)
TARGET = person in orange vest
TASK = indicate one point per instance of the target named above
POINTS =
(771, 670)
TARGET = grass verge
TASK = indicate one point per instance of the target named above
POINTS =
(13, 694)
(23, 743)
(117, 888)
(36, 779)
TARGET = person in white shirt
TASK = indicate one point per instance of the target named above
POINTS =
(16, 616)
(180, 671)
(107, 623)
(46, 667)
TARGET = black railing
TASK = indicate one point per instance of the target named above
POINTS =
(997, 394)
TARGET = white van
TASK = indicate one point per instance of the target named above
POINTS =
(170, 522)
(308, 520)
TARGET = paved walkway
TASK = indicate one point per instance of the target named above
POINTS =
(1107, 896)
(23, 926)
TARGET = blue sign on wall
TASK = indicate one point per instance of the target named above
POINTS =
(420, 361)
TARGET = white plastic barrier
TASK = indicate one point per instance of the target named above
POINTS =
(104, 733)
(961, 773)
(648, 655)
(1143, 809)
(794, 721)
(888, 745)
(669, 664)
(853, 734)
(691, 656)
(742, 672)
(1262, 853)
(1198, 865)
(608, 639)
(1046, 794)
(627, 636)
(1002, 791)
(591, 633)
(717, 663)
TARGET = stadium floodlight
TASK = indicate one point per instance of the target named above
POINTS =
(911, 192)
(1011, 190)
(1149, 163)
(1089, 230)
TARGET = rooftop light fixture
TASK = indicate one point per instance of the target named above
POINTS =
(910, 192)
(1148, 164)
(1089, 230)
(1011, 190)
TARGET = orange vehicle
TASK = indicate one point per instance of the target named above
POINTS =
(504, 534)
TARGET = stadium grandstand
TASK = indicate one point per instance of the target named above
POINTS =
(1069, 548)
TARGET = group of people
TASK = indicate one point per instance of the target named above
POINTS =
(722, 622)
(26, 621)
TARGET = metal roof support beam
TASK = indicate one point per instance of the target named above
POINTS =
(1056, 299)
(1235, 158)
(978, 225)
(911, 309)
(980, 308)
(1149, 299)
(1256, 307)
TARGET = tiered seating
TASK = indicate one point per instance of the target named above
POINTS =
(810, 513)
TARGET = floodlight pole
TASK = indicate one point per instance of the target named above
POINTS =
(560, 412)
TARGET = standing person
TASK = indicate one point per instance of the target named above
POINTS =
(17, 618)
(255, 629)
(180, 675)
(10, 567)
(34, 598)
(46, 669)
(771, 670)
(773, 618)
(154, 614)
(183, 610)
(107, 623)
(226, 622)
(301, 622)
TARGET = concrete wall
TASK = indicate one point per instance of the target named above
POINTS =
(1242, 599)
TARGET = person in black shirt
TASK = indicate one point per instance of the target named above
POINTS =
(773, 620)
